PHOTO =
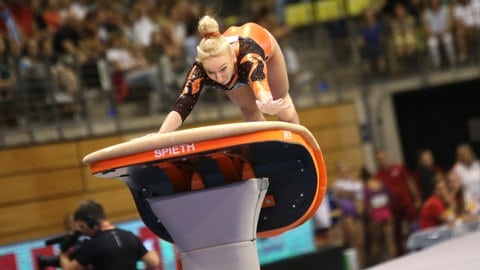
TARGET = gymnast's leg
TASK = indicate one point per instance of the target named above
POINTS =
(278, 82)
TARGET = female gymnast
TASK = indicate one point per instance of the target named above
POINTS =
(239, 62)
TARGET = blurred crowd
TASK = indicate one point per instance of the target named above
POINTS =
(52, 51)
(375, 213)
(392, 35)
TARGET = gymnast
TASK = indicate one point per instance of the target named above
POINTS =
(240, 62)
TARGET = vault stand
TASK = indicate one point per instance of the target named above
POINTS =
(214, 228)
(203, 188)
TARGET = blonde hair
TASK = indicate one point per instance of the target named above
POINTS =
(212, 43)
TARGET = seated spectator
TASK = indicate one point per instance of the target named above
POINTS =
(467, 167)
(467, 26)
(63, 72)
(371, 42)
(426, 172)
(66, 41)
(349, 197)
(435, 210)
(464, 207)
(35, 84)
(404, 35)
(51, 16)
(438, 27)
(93, 51)
(171, 62)
(325, 222)
(130, 68)
(76, 8)
(44, 85)
(171, 57)
(379, 219)
(143, 25)
(37, 7)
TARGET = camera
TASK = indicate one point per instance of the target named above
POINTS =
(66, 242)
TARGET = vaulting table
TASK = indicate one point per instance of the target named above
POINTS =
(213, 190)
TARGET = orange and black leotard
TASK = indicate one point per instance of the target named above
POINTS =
(254, 50)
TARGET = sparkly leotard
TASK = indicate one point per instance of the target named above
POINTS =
(254, 50)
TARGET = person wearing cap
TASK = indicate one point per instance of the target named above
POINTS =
(247, 63)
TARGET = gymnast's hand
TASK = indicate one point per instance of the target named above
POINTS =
(267, 105)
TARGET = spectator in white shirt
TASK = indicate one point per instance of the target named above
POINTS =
(467, 168)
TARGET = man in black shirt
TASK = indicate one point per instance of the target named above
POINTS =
(108, 246)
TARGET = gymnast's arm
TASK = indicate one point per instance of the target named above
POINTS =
(172, 122)
(185, 102)
(258, 81)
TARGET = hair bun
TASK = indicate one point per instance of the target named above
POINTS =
(212, 34)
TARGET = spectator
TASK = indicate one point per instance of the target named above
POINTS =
(349, 196)
(170, 60)
(435, 211)
(35, 84)
(157, 48)
(121, 61)
(93, 50)
(325, 220)
(108, 24)
(66, 41)
(193, 38)
(52, 16)
(180, 40)
(438, 27)
(466, 17)
(406, 199)
(45, 87)
(175, 60)
(416, 7)
(404, 35)
(143, 25)
(379, 219)
(130, 68)
(37, 13)
(426, 172)
(31, 63)
(371, 43)
(67, 53)
(74, 8)
(467, 167)
(177, 15)
(464, 207)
